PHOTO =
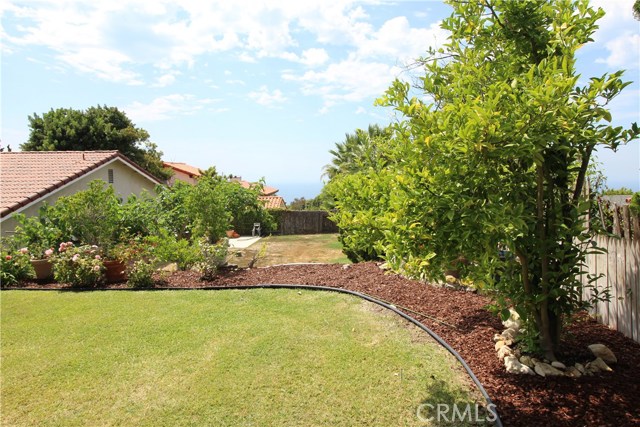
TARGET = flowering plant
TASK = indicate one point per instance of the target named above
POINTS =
(14, 266)
(38, 233)
(78, 266)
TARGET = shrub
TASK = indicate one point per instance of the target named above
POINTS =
(140, 215)
(207, 205)
(91, 216)
(78, 266)
(38, 233)
(141, 274)
(213, 257)
(635, 203)
(15, 265)
(168, 248)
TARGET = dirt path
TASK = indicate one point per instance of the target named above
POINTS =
(323, 248)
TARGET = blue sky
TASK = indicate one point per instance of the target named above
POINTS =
(255, 88)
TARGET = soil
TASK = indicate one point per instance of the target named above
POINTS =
(460, 317)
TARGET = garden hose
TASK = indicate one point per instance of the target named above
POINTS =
(497, 421)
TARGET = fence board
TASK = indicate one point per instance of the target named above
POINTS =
(621, 266)
(626, 222)
(611, 283)
(623, 320)
(616, 221)
(635, 282)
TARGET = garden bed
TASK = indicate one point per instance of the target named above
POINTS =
(606, 399)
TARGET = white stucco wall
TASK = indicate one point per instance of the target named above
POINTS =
(126, 181)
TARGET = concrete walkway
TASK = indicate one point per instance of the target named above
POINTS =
(243, 242)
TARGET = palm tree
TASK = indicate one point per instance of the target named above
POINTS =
(358, 151)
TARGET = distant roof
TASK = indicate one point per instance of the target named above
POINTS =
(26, 176)
(617, 199)
(192, 171)
(266, 190)
(273, 202)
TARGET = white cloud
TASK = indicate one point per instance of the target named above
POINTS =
(118, 41)
(314, 57)
(617, 14)
(351, 80)
(377, 59)
(166, 107)
(624, 51)
(166, 79)
(397, 39)
(269, 99)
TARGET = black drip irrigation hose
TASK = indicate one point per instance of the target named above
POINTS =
(497, 422)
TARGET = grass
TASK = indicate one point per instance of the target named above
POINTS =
(323, 248)
(228, 358)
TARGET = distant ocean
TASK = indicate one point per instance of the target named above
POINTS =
(292, 190)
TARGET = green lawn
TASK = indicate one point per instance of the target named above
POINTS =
(220, 358)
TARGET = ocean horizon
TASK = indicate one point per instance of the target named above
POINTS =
(296, 190)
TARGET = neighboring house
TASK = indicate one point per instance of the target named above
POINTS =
(266, 190)
(190, 174)
(183, 172)
(29, 178)
(619, 200)
(273, 202)
(268, 197)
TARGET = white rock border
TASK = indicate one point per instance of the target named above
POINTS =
(515, 363)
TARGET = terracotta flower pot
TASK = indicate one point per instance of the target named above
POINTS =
(115, 271)
(43, 268)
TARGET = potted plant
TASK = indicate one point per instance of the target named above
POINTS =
(42, 264)
(39, 235)
(117, 257)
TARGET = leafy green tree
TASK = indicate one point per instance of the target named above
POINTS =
(320, 202)
(636, 10)
(208, 207)
(174, 214)
(97, 128)
(498, 155)
(246, 208)
(622, 191)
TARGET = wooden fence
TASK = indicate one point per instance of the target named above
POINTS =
(304, 222)
(620, 267)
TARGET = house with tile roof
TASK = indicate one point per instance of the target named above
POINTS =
(273, 202)
(30, 178)
(266, 190)
(183, 172)
(190, 174)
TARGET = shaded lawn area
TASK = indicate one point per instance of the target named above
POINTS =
(233, 358)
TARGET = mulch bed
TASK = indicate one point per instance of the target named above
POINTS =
(606, 399)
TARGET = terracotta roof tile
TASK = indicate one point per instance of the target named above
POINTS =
(26, 176)
(183, 167)
(266, 190)
(273, 202)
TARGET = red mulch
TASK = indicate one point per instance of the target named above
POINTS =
(606, 399)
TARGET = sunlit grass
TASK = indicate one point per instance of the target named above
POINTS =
(229, 358)
(323, 248)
